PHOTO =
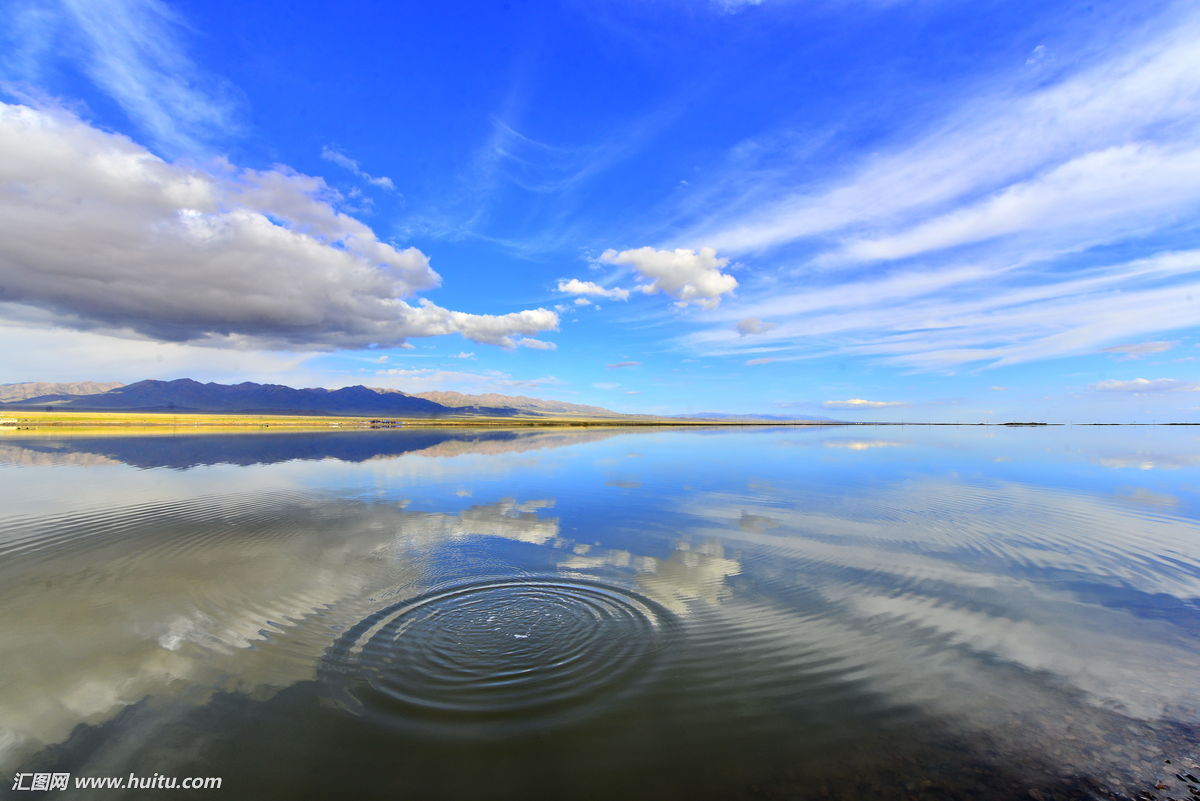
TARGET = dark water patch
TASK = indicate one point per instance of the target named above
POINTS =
(640, 754)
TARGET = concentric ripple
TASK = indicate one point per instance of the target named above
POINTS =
(511, 652)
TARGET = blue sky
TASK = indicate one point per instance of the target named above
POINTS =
(866, 210)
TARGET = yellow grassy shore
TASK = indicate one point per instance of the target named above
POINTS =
(32, 423)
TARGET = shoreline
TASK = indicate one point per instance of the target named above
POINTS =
(217, 422)
(32, 422)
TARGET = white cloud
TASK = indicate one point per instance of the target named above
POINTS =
(619, 365)
(535, 344)
(242, 258)
(462, 355)
(606, 385)
(753, 325)
(1147, 385)
(342, 160)
(576, 287)
(860, 403)
(1136, 351)
(689, 276)
(755, 362)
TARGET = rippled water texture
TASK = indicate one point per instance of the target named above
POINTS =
(853, 612)
(508, 651)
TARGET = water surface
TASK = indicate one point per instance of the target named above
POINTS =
(851, 612)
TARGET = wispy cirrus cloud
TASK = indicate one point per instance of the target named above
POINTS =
(134, 51)
(977, 239)
(959, 317)
(1140, 386)
(344, 161)
(1142, 94)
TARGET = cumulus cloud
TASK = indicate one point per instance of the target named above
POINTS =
(1139, 386)
(342, 160)
(689, 276)
(97, 233)
(860, 403)
(1139, 350)
(753, 325)
(576, 287)
(619, 365)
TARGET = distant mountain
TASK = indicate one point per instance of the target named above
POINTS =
(520, 403)
(37, 389)
(186, 395)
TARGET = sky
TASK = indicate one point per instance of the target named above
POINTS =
(872, 210)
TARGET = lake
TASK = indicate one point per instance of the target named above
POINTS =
(779, 612)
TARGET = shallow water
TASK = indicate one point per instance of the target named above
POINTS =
(852, 612)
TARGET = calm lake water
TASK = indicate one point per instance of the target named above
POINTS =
(851, 612)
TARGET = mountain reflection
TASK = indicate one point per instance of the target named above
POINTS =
(193, 450)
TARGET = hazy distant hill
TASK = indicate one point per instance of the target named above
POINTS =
(185, 395)
(37, 389)
(520, 403)
(783, 418)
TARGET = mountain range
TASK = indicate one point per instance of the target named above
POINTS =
(186, 395)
